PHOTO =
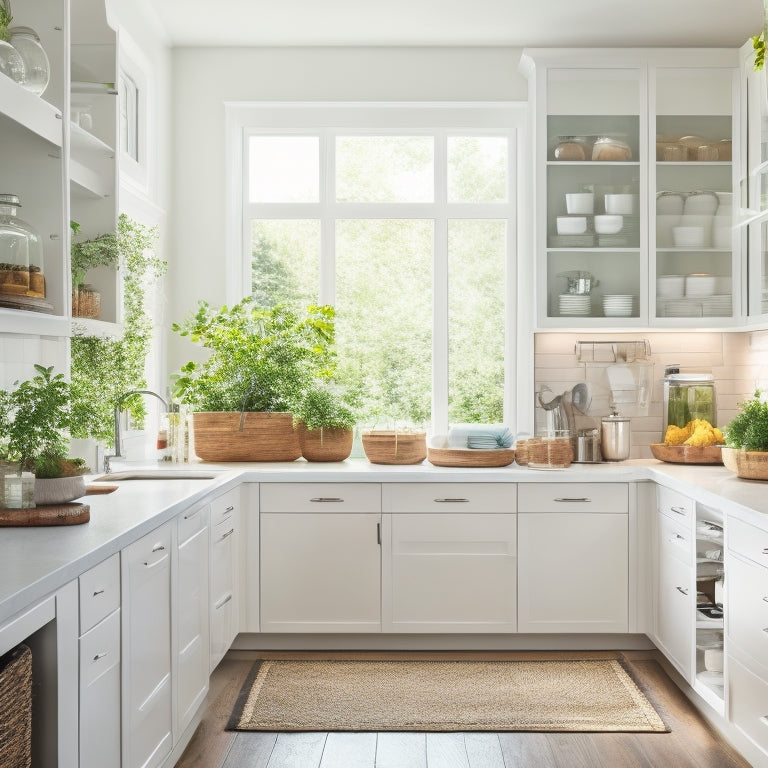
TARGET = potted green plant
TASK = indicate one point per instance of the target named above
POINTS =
(261, 362)
(325, 418)
(34, 420)
(100, 251)
(746, 440)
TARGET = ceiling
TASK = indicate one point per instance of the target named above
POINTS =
(518, 23)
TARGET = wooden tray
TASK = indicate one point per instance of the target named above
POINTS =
(688, 454)
(73, 513)
(470, 457)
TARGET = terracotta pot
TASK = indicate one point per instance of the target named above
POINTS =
(325, 444)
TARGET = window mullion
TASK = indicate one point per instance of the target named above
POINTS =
(327, 271)
(440, 289)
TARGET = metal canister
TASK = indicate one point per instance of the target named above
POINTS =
(615, 437)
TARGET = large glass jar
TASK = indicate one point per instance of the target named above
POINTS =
(21, 252)
(11, 63)
(37, 69)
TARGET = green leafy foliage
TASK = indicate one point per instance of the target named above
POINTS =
(325, 406)
(261, 359)
(101, 251)
(749, 430)
(5, 19)
(34, 418)
(758, 44)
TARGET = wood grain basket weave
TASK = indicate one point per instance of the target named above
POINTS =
(750, 465)
(263, 437)
(392, 447)
(16, 708)
(441, 456)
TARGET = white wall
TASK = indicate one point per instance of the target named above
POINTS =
(204, 79)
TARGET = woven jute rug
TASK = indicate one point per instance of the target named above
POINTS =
(339, 695)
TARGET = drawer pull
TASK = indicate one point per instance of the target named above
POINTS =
(682, 590)
(327, 500)
(765, 629)
(156, 562)
(679, 510)
(191, 514)
(451, 501)
(158, 548)
(98, 592)
(582, 500)
(227, 534)
(378, 533)
(765, 598)
(230, 508)
(99, 656)
(224, 600)
(765, 551)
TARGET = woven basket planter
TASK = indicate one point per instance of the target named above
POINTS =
(392, 447)
(751, 465)
(325, 444)
(16, 708)
(223, 436)
(86, 303)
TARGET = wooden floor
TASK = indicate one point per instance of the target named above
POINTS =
(691, 743)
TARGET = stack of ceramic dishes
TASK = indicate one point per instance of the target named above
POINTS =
(698, 286)
(575, 304)
(618, 305)
(670, 286)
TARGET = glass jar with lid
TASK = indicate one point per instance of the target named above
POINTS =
(21, 252)
(688, 396)
(37, 68)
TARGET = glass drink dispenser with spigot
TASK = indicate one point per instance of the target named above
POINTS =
(688, 396)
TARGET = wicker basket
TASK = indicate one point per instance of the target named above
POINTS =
(86, 303)
(442, 456)
(16, 708)
(550, 452)
(325, 444)
(750, 465)
(392, 447)
(220, 436)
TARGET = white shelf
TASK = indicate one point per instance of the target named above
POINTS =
(33, 323)
(30, 111)
(84, 326)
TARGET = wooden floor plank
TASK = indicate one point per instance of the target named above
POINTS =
(251, 750)
(401, 750)
(526, 750)
(575, 750)
(446, 750)
(298, 750)
(484, 750)
(349, 750)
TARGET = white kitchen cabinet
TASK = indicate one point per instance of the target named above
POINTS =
(573, 565)
(224, 581)
(191, 635)
(449, 557)
(100, 668)
(147, 692)
(320, 557)
(610, 122)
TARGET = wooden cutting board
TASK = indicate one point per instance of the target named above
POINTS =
(72, 513)
(100, 488)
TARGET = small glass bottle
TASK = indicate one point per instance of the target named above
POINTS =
(21, 252)
(37, 68)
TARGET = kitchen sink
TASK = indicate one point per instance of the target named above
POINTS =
(156, 474)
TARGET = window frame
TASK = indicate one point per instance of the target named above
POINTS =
(327, 120)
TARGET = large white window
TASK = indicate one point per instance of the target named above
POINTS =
(403, 218)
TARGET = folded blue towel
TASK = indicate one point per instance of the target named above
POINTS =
(480, 436)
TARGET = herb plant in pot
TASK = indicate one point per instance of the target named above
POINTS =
(325, 419)
(746, 440)
(34, 419)
(100, 251)
(260, 363)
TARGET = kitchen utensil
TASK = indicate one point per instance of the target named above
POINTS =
(581, 396)
(615, 437)
(587, 447)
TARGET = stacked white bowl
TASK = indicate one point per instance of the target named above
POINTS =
(699, 285)
(618, 305)
(580, 203)
(575, 304)
(670, 286)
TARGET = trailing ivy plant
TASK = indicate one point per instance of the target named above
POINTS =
(100, 251)
(104, 368)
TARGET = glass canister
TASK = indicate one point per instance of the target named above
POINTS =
(21, 252)
(37, 68)
(688, 396)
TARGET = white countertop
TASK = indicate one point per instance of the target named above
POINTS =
(36, 561)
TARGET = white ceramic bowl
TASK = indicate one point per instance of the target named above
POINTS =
(700, 285)
(670, 286)
(608, 224)
(571, 225)
(580, 202)
(623, 204)
(688, 237)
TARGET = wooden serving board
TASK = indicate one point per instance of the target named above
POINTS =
(72, 513)
(100, 488)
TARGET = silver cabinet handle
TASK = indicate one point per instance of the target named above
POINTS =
(229, 509)
(224, 600)
(192, 514)
(98, 592)
(765, 551)
(582, 500)
(99, 656)
(378, 533)
(452, 501)
(326, 500)
(228, 533)
(156, 562)
(679, 510)
(158, 548)
(765, 598)
(682, 590)
(765, 629)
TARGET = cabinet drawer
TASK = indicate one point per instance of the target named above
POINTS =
(100, 649)
(320, 497)
(749, 541)
(446, 498)
(99, 592)
(573, 497)
(748, 697)
(675, 540)
(748, 608)
(674, 504)
(224, 506)
(192, 521)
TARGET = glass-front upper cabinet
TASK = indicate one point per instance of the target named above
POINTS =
(592, 266)
(694, 245)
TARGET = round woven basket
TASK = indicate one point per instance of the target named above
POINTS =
(392, 447)
(325, 444)
(220, 436)
(470, 457)
(750, 465)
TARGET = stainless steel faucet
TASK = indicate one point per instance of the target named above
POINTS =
(118, 411)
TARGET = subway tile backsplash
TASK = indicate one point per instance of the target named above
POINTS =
(20, 353)
(738, 361)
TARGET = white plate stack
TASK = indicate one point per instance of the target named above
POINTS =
(574, 304)
(699, 286)
(618, 305)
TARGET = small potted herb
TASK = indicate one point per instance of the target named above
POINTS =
(100, 251)
(325, 418)
(746, 439)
